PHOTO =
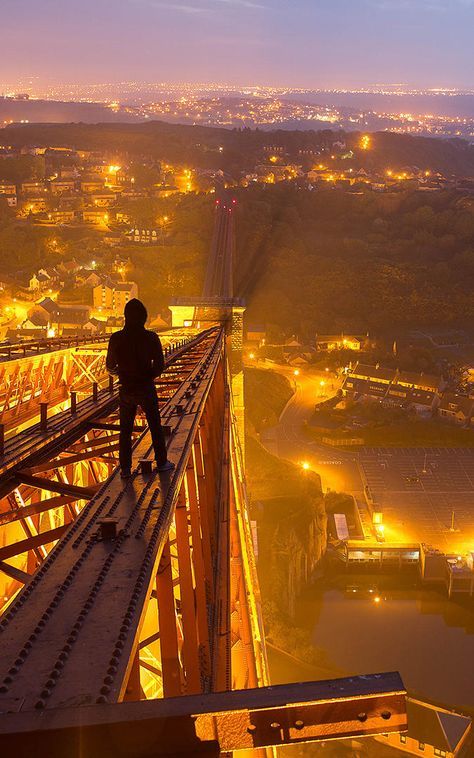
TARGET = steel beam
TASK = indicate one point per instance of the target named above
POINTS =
(34, 509)
(206, 724)
(71, 590)
(22, 546)
(51, 485)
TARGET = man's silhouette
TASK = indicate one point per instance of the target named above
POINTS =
(136, 355)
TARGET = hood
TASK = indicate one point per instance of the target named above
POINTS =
(135, 314)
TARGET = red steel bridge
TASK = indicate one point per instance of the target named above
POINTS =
(131, 622)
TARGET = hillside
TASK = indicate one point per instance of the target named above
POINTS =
(200, 145)
(330, 260)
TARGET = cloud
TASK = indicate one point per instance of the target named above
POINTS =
(243, 4)
(201, 6)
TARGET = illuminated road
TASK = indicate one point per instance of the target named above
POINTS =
(338, 469)
(417, 489)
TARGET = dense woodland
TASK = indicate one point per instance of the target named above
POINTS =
(331, 260)
(307, 261)
(198, 146)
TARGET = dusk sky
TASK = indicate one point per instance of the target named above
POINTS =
(307, 43)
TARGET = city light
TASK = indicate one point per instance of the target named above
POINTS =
(365, 142)
(296, 372)
(305, 465)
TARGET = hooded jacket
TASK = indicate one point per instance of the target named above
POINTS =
(135, 353)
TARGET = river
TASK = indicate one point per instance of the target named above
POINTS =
(373, 623)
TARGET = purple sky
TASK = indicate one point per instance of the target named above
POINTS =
(307, 43)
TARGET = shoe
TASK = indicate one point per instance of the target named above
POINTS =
(125, 473)
(167, 466)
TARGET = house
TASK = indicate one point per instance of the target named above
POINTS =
(422, 402)
(122, 218)
(89, 187)
(11, 200)
(124, 291)
(38, 282)
(69, 267)
(62, 216)
(44, 279)
(35, 205)
(114, 296)
(61, 186)
(7, 189)
(94, 326)
(95, 217)
(87, 277)
(456, 408)
(255, 335)
(370, 381)
(432, 731)
(34, 324)
(71, 316)
(146, 236)
(425, 382)
(420, 392)
(49, 313)
(32, 188)
(338, 342)
(103, 200)
(43, 313)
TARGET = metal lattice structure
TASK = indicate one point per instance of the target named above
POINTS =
(131, 621)
(147, 591)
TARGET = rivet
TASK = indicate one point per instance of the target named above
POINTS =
(275, 725)
(386, 715)
(299, 724)
(361, 717)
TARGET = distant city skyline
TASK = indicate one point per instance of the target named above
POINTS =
(303, 43)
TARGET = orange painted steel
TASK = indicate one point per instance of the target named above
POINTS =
(155, 577)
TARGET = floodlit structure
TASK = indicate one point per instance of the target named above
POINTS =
(131, 623)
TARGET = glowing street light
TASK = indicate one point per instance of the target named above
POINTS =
(296, 372)
(305, 465)
(252, 356)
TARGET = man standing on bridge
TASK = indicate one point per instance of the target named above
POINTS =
(136, 355)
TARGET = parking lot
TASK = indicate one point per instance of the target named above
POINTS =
(426, 494)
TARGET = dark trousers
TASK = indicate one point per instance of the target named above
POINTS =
(147, 399)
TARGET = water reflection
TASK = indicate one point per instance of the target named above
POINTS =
(366, 624)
